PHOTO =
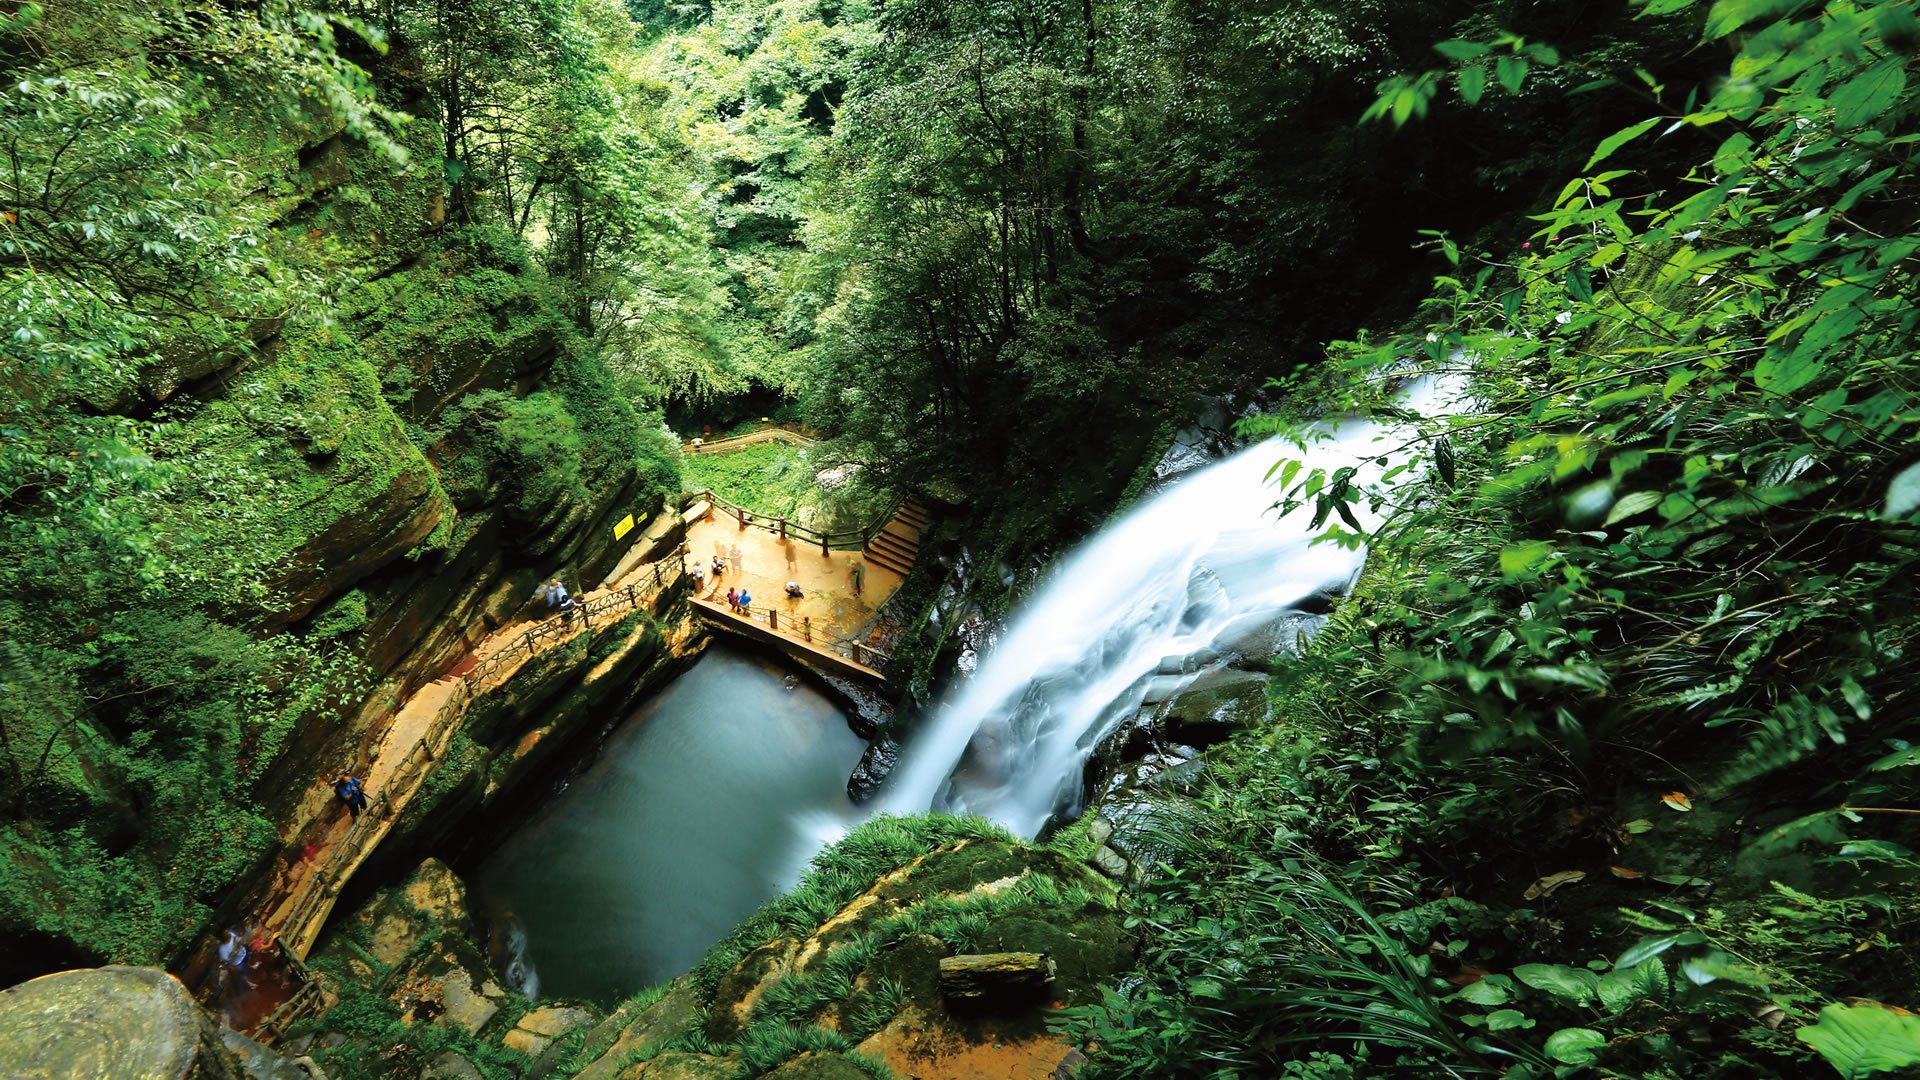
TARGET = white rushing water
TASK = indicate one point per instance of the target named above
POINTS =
(1181, 577)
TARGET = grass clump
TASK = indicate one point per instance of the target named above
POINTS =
(838, 874)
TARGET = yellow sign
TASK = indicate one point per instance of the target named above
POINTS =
(623, 527)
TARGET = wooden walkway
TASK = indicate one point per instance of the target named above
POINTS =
(840, 657)
(324, 856)
(790, 434)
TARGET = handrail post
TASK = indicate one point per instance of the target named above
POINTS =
(773, 619)
(783, 530)
(856, 653)
(825, 551)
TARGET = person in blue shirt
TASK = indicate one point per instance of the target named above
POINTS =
(746, 602)
(349, 790)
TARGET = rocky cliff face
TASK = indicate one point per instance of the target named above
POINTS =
(388, 485)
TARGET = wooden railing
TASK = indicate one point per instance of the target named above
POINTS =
(306, 1000)
(820, 637)
(343, 858)
(791, 434)
(849, 540)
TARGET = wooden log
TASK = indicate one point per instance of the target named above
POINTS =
(974, 976)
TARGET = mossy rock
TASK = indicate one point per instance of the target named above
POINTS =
(819, 1067)
(1214, 714)
(684, 1067)
(732, 999)
(109, 1023)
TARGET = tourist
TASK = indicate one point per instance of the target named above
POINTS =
(566, 611)
(553, 593)
(733, 599)
(349, 790)
(734, 558)
(719, 567)
(699, 579)
(261, 943)
(746, 602)
(793, 590)
(857, 575)
(233, 957)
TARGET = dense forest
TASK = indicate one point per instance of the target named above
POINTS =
(333, 331)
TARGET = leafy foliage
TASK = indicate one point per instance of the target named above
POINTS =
(1653, 553)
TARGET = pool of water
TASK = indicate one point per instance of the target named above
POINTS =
(703, 804)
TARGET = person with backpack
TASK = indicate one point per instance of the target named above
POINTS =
(349, 790)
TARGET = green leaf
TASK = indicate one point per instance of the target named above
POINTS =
(1572, 983)
(1715, 964)
(1206, 988)
(1580, 284)
(1462, 50)
(1903, 495)
(1519, 560)
(1909, 755)
(1511, 71)
(1623, 986)
(1483, 992)
(1473, 82)
(1507, 1020)
(1575, 1046)
(1645, 949)
(1633, 504)
(1861, 99)
(1617, 140)
(1860, 1040)
(1732, 157)
(1783, 372)
(1856, 696)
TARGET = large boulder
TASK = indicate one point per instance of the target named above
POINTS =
(109, 1023)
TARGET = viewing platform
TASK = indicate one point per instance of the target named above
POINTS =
(844, 579)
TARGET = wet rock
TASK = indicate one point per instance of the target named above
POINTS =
(259, 1062)
(1111, 863)
(432, 900)
(107, 1024)
(449, 984)
(881, 756)
(539, 1028)
(1216, 707)
(1099, 829)
(451, 1066)
(437, 892)
(656, 1024)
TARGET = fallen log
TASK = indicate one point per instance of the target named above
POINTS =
(975, 976)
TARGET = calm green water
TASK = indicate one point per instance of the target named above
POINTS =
(705, 803)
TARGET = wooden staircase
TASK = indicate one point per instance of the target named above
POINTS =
(897, 544)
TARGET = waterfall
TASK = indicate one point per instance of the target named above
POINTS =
(518, 969)
(1140, 606)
